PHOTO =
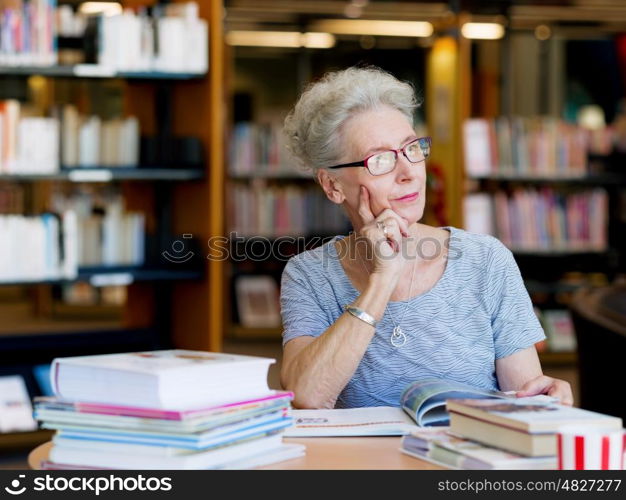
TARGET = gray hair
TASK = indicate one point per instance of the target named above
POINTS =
(313, 127)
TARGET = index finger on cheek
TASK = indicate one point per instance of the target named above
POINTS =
(365, 210)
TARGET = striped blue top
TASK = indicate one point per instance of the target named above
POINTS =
(477, 312)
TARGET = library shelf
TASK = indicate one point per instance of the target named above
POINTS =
(117, 275)
(558, 358)
(247, 332)
(94, 71)
(564, 252)
(40, 343)
(278, 176)
(108, 174)
(535, 286)
(601, 179)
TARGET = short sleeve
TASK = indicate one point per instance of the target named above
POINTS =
(514, 322)
(301, 311)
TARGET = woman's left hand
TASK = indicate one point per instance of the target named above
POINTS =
(550, 386)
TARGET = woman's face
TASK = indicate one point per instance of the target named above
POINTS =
(404, 188)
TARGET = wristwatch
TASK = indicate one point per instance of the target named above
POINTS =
(361, 314)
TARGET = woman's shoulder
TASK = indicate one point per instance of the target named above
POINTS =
(476, 250)
(317, 260)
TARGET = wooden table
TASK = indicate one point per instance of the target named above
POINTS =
(324, 453)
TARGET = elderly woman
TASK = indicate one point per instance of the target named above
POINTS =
(395, 301)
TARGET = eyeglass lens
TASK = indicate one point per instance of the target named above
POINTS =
(385, 162)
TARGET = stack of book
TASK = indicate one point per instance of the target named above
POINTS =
(502, 433)
(442, 447)
(171, 409)
(527, 426)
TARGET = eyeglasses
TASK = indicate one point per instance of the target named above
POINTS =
(383, 163)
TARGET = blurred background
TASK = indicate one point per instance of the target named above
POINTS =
(146, 200)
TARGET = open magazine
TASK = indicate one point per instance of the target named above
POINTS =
(422, 402)
(425, 400)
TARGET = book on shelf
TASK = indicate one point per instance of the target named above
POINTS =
(524, 147)
(541, 219)
(172, 39)
(16, 412)
(28, 35)
(441, 446)
(559, 328)
(524, 426)
(283, 211)
(257, 301)
(38, 248)
(28, 144)
(106, 234)
(167, 379)
(89, 141)
(258, 149)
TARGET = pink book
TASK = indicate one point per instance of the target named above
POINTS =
(131, 411)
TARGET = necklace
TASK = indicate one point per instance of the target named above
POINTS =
(398, 337)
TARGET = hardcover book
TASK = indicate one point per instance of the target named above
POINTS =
(168, 379)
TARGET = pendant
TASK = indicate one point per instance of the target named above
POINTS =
(398, 338)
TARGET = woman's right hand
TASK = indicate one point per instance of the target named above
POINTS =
(384, 234)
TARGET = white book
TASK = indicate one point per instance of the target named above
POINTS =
(112, 235)
(2, 125)
(11, 120)
(37, 146)
(477, 148)
(129, 142)
(15, 408)
(69, 136)
(171, 42)
(89, 142)
(478, 213)
(161, 379)
(372, 421)
(108, 143)
(70, 244)
(197, 46)
(210, 459)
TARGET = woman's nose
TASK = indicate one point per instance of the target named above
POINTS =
(405, 170)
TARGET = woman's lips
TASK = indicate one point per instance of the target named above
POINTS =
(408, 197)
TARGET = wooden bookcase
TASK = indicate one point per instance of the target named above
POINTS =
(167, 306)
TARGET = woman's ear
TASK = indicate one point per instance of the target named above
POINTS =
(331, 186)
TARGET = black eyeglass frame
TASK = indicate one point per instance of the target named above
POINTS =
(363, 163)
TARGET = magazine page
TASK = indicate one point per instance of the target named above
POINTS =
(425, 400)
(372, 421)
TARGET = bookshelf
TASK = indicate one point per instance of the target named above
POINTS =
(558, 185)
(168, 304)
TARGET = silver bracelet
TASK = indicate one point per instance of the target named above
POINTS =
(361, 314)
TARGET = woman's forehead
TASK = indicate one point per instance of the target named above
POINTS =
(378, 128)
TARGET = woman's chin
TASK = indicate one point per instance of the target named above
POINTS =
(411, 214)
